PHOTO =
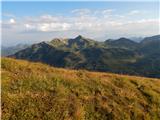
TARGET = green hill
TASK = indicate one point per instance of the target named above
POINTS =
(122, 43)
(35, 91)
(122, 56)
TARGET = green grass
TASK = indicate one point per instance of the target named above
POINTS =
(35, 91)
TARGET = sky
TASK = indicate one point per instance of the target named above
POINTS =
(31, 22)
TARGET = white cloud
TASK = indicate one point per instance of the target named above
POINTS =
(47, 27)
(86, 23)
(53, 27)
(29, 27)
(134, 12)
(12, 21)
(94, 25)
(8, 24)
(107, 11)
(81, 11)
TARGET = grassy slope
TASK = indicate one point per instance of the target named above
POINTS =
(35, 91)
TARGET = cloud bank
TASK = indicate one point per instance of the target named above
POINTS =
(101, 24)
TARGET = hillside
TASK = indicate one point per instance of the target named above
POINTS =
(122, 43)
(122, 56)
(35, 91)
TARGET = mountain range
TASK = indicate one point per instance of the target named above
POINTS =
(122, 56)
(9, 50)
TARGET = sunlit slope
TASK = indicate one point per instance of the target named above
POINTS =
(35, 91)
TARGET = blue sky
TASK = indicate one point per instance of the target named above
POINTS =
(38, 8)
(22, 21)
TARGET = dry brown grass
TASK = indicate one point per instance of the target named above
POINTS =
(41, 92)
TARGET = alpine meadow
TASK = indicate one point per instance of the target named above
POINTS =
(80, 60)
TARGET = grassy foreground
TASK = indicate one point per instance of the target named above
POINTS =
(35, 91)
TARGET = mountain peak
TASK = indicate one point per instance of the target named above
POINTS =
(155, 38)
(79, 37)
(125, 39)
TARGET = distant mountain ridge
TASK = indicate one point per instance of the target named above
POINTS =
(5, 51)
(122, 43)
(119, 56)
(151, 39)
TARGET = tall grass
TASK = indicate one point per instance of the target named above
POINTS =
(35, 91)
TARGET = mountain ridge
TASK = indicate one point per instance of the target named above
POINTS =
(118, 56)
